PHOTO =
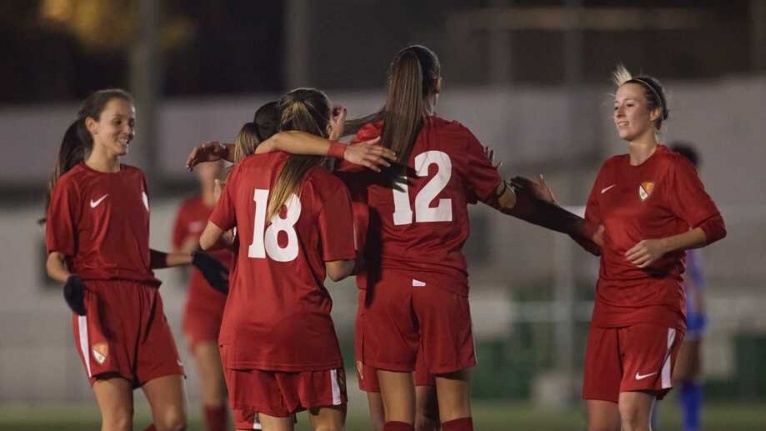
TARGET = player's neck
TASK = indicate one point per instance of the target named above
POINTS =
(641, 149)
(101, 162)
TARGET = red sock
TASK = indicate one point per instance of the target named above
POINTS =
(398, 426)
(151, 428)
(216, 418)
(462, 424)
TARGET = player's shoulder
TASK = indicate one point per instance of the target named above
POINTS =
(672, 158)
(131, 170)
(369, 131)
(446, 126)
(615, 164)
(74, 177)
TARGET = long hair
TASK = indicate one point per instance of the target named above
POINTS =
(77, 142)
(653, 91)
(306, 110)
(412, 78)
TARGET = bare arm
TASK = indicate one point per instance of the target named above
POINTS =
(339, 269)
(161, 259)
(365, 153)
(56, 267)
(211, 237)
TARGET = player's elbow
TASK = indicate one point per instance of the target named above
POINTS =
(210, 236)
(207, 242)
(337, 270)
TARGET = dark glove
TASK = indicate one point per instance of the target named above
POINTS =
(216, 274)
(74, 294)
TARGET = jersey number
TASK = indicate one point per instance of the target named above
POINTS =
(424, 212)
(266, 243)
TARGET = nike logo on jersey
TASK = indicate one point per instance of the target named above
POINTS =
(94, 204)
(643, 376)
(606, 189)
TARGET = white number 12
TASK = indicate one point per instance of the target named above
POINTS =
(266, 243)
(423, 210)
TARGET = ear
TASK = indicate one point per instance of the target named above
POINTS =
(438, 85)
(655, 114)
(91, 125)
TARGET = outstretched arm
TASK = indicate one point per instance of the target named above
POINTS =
(535, 203)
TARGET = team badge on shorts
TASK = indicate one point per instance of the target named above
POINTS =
(100, 352)
(645, 190)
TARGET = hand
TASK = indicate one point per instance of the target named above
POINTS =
(369, 154)
(539, 189)
(490, 154)
(646, 252)
(74, 294)
(214, 272)
(337, 122)
(208, 152)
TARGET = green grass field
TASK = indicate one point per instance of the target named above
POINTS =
(487, 417)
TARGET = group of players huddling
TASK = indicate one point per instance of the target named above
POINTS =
(391, 208)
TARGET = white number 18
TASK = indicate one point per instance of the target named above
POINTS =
(265, 243)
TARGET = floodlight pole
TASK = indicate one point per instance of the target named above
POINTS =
(297, 28)
(145, 85)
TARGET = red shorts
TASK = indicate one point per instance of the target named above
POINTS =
(281, 394)
(202, 317)
(407, 315)
(633, 358)
(125, 333)
(366, 375)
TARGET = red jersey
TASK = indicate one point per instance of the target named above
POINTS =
(190, 221)
(423, 220)
(277, 316)
(100, 221)
(661, 197)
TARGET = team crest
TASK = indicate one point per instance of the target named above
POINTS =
(645, 190)
(100, 352)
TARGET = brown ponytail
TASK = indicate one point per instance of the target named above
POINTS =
(306, 110)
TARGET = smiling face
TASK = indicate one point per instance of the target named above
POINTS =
(113, 131)
(632, 115)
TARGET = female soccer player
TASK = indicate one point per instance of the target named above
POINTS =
(278, 342)
(97, 237)
(204, 305)
(652, 208)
